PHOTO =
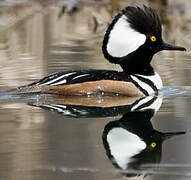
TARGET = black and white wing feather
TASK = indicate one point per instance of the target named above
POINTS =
(73, 77)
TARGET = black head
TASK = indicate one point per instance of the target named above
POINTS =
(133, 37)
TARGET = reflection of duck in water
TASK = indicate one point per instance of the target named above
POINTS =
(129, 142)
(98, 107)
(132, 141)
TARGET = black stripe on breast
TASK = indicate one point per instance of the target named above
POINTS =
(140, 88)
(149, 82)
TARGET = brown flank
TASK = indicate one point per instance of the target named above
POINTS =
(106, 87)
(94, 87)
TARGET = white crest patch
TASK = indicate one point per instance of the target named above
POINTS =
(124, 145)
(51, 82)
(123, 39)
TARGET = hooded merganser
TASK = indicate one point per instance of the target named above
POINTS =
(131, 40)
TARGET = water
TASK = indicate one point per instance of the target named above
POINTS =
(49, 137)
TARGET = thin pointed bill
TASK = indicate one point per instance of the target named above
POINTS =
(172, 134)
(166, 46)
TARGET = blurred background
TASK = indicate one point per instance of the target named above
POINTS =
(39, 37)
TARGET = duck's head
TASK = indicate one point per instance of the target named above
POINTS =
(133, 37)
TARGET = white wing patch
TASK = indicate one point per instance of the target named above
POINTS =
(123, 39)
(124, 145)
(53, 82)
(80, 76)
(58, 83)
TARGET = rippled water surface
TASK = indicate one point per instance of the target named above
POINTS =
(48, 137)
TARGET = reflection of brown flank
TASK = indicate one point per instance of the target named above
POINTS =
(94, 87)
(104, 101)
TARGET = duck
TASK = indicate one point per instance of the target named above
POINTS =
(131, 40)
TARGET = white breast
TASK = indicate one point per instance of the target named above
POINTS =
(155, 79)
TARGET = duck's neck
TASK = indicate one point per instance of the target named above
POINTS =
(137, 62)
(138, 69)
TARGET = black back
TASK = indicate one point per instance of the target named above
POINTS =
(80, 76)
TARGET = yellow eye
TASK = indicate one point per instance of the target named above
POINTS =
(153, 38)
(153, 144)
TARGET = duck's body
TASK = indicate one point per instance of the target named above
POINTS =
(131, 40)
(93, 82)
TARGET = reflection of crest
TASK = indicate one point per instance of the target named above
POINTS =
(132, 142)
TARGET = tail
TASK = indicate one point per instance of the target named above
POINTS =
(21, 94)
(23, 90)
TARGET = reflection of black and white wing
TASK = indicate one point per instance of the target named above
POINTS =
(145, 103)
(86, 111)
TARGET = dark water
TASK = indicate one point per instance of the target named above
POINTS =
(48, 137)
